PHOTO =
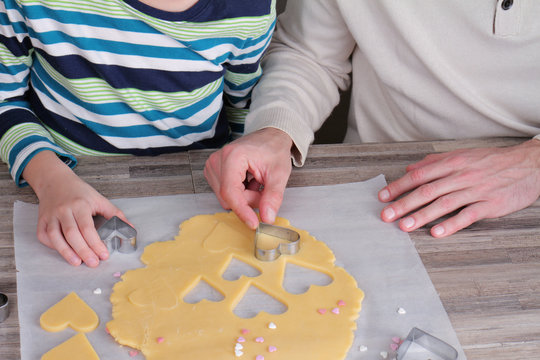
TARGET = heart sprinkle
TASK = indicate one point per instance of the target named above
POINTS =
(133, 353)
(272, 348)
(259, 357)
(160, 340)
(244, 331)
(341, 303)
(272, 326)
(241, 340)
(321, 311)
(335, 311)
(259, 339)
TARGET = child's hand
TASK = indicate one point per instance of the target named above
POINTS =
(66, 207)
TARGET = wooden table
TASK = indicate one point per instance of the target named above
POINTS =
(487, 276)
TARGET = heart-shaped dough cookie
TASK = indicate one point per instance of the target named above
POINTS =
(77, 347)
(71, 311)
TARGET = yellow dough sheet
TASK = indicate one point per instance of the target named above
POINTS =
(149, 312)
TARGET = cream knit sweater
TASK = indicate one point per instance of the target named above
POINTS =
(421, 69)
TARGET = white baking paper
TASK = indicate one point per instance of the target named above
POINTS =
(346, 217)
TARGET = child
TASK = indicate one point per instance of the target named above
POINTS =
(105, 77)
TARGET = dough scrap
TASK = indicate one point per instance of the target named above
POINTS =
(165, 327)
(77, 347)
(71, 311)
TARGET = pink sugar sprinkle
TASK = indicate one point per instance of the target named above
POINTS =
(259, 339)
(272, 348)
(321, 311)
(133, 353)
(107, 331)
(341, 303)
(259, 357)
(117, 274)
(394, 346)
(244, 331)
(335, 311)
(160, 340)
(396, 340)
(240, 340)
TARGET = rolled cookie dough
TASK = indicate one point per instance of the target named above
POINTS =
(149, 312)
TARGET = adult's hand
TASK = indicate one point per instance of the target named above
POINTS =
(483, 183)
(66, 207)
(252, 172)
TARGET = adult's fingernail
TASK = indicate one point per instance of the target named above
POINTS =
(104, 255)
(271, 215)
(438, 230)
(408, 222)
(252, 224)
(384, 195)
(389, 213)
(92, 262)
(75, 261)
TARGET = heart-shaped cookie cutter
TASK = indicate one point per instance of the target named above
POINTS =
(116, 234)
(290, 247)
(424, 346)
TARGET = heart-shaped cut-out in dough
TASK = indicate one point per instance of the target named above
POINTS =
(237, 268)
(256, 300)
(71, 311)
(298, 279)
(156, 293)
(203, 291)
(239, 238)
(77, 347)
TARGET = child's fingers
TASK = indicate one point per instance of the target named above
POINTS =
(52, 235)
(74, 238)
(88, 231)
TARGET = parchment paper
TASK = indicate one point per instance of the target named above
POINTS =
(346, 217)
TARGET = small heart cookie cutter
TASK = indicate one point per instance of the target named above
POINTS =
(291, 247)
(116, 234)
(425, 346)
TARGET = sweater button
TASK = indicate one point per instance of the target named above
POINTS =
(507, 4)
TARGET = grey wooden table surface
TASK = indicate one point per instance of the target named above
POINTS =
(487, 276)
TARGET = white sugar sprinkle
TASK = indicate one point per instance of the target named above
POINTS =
(384, 354)
(272, 325)
(238, 353)
(401, 311)
(97, 291)
(238, 346)
(363, 348)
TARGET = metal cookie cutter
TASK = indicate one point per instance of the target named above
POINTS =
(290, 247)
(4, 307)
(421, 345)
(116, 234)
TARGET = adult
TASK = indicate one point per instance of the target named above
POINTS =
(420, 71)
